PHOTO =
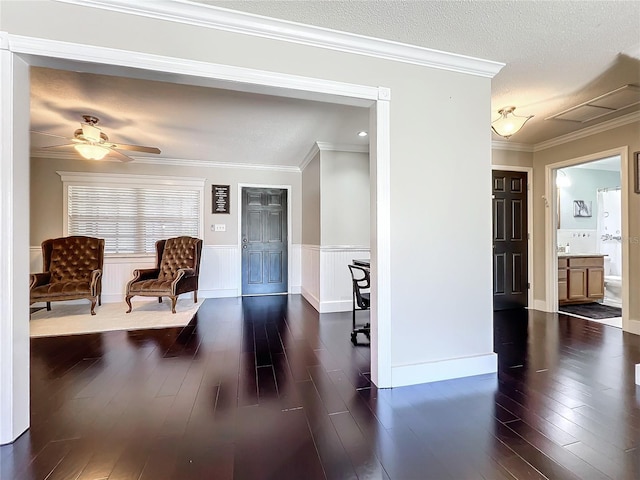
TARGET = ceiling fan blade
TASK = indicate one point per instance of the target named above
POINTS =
(136, 148)
(59, 146)
(120, 156)
(49, 134)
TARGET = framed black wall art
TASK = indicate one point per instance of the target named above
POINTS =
(220, 199)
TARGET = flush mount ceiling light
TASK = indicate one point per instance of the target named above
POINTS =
(508, 123)
(562, 180)
(362, 134)
(91, 151)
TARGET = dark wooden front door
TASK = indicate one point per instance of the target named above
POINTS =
(264, 241)
(510, 235)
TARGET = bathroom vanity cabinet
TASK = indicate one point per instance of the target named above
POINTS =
(580, 278)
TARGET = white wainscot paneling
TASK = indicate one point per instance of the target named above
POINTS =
(310, 259)
(117, 271)
(335, 279)
(219, 271)
(295, 268)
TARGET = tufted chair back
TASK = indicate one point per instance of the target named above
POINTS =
(176, 253)
(72, 258)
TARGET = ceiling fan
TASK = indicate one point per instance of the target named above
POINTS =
(93, 144)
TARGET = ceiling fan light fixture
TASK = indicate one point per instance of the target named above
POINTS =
(91, 151)
(508, 123)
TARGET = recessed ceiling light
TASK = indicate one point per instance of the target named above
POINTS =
(362, 134)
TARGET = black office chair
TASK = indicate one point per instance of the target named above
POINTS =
(361, 300)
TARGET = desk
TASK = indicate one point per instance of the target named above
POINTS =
(362, 263)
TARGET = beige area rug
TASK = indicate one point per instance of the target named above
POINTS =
(73, 319)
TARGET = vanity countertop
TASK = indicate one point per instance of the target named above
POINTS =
(567, 255)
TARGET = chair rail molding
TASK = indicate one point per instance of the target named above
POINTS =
(209, 16)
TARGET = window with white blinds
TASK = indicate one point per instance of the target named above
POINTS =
(131, 218)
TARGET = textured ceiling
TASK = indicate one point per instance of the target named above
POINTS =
(557, 53)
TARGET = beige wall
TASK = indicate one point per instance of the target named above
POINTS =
(511, 158)
(345, 190)
(47, 203)
(311, 202)
(625, 136)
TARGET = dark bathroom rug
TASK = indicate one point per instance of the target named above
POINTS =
(592, 310)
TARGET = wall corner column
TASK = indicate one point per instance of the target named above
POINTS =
(380, 169)
(14, 243)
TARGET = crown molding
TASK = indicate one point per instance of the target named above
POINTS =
(202, 15)
(514, 147)
(207, 164)
(313, 151)
(318, 147)
(127, 178)
(180, 162)
(587, 132)
(342, 147)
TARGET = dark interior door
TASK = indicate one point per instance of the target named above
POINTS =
(264, 241)
(510, 235)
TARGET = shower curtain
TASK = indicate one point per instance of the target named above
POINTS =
(609, 228)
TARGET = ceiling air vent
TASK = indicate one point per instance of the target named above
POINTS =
(606, 104)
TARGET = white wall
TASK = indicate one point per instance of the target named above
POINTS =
(14, 236)
(434, 334)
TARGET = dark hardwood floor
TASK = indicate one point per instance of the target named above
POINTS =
(265, 388)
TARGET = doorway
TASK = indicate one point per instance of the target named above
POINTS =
(264, 236)
(510, 240)
(16, 59)
(552, 240)
(589, 240)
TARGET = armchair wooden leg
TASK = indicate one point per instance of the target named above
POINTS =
(174, 300)
(159, 299)
(100, 300)
(128, 300)
(93, 305)
(48, 306)
(195, 296)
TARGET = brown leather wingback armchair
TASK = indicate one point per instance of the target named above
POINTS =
(176, 272)
(72, 270)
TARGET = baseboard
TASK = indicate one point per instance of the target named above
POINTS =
(638, 374)
(218, 293)
(315, 303)
(336, 306)
(443, 370)
(540, 305)
(295, 289)
(633, 327)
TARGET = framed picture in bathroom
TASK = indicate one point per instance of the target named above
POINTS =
(636, 172)
(581, 208)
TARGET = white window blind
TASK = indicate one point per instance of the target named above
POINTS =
(132, 218)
